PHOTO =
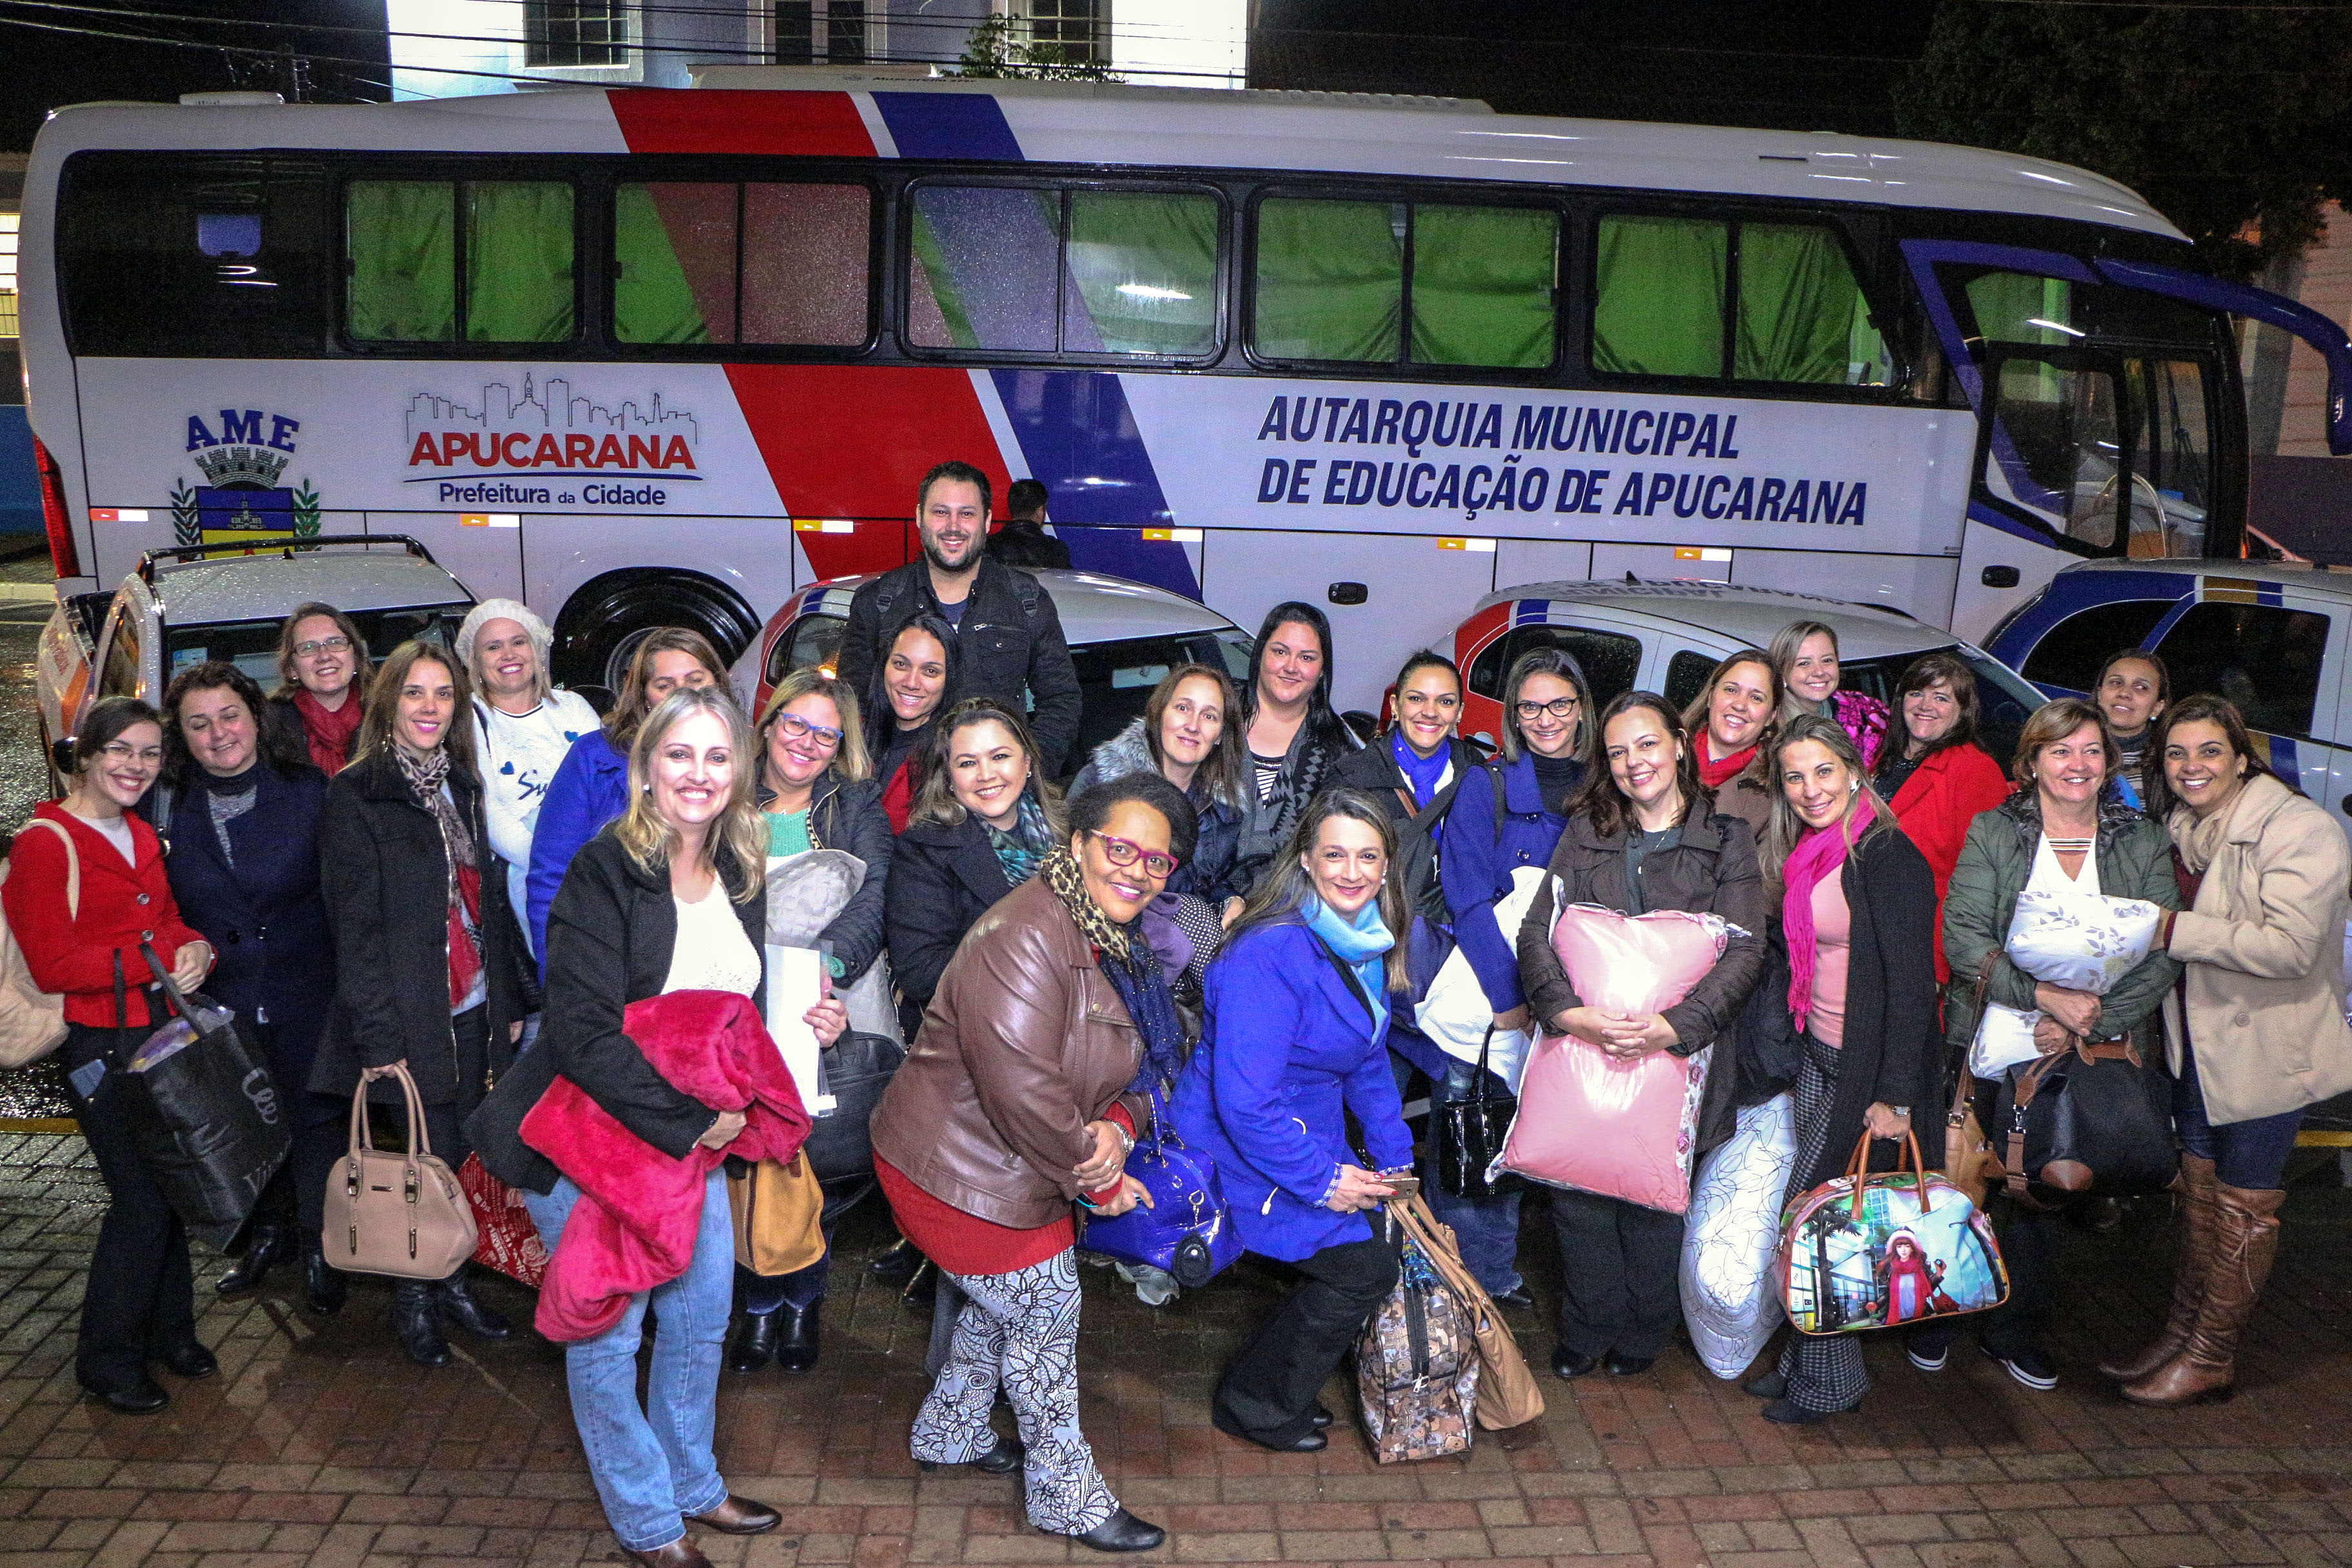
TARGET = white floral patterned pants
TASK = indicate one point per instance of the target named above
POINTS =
(1019, 1331)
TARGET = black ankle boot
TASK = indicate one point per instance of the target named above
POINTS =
(795, 1335)
(324, 1286)
(269, 1245)
(755, 1343)
(455, 1298)
(417, 1324)
(897, 1262)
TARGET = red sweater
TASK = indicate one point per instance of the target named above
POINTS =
(1935, 807)
(122, 906)
(963, 1242)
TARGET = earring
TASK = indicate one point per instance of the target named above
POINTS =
(1854, 789)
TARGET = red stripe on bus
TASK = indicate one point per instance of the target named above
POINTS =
(672, 119)
(907, 418)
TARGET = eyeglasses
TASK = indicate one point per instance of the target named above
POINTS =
(797, 728)
(1126, 852)
(1559, 708)
(117, 752)
(323, 645)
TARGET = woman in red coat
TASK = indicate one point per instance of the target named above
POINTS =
(1938, 778)
(86, 895)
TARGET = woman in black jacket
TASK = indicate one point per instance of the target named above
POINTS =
(429, 958)
(983, 822)
(1641, 835)
(668, 897)
(1857, 922)
(1414, 770)
(1294, 738)
(239, 809)
(814, 793)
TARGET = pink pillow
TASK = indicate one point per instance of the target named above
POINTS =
(1588, 1123)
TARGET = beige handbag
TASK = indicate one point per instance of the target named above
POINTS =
(777, 1210)
(1508, 1392)
(396, 1213)
(33, 1021)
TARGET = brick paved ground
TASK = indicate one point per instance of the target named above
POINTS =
(319, 1445)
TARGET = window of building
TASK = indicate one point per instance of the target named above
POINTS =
(844, 32)
(2070, 654)
(1339, 281)
(1079, 29)
(795, 33)
(473, 260)
(575, 32)
(705, 262)
(1027, 270)
(1751, 302)
(2264, 659)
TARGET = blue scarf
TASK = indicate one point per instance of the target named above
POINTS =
(1362, 944)
(1019, 851)
(1424, 773)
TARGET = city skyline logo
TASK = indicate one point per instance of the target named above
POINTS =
(550, 428)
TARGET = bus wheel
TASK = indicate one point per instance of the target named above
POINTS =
(603, 624)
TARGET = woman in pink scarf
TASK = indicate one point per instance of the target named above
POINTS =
(1857, 908)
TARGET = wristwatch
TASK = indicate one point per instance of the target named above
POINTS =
(1900, 1109)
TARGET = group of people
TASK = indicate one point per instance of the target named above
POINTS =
(1222, 927)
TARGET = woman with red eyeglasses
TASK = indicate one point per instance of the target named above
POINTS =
(1048, 1038)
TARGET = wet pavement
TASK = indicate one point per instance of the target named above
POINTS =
(37, 1091)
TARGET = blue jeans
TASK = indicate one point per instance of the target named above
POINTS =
(1486, 1229)
(2251, 1156)
(653, 1467)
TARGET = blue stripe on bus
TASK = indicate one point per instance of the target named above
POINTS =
(1079, 437)
(2285, 763)
(948, 125)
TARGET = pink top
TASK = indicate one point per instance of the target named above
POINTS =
(1832, 940)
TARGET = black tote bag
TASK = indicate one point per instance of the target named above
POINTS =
(2089, 1120)
(208, 1118)
(854, 1070)
(1470, 1134)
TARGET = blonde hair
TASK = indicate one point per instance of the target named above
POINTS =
(1786, 644)
(651, 841)
(1784, 832)
(2052, 722)
(850, 764)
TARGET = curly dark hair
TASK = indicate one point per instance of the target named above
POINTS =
(278, 743)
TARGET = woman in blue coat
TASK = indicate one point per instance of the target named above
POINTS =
(1547, 747)
(238, 810)
(1298, 1003)
(592, 786)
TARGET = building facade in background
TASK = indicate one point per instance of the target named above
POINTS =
(452, 48)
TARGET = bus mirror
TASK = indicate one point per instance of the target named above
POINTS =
(1347, 592)
(1999, 577)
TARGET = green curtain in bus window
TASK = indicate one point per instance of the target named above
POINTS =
(989, 257)
(404, 261)
(517, 261)
(673, 244)
(1330, 279)
(1482, 286)
(1799, 309)
(1657, 309)
(805, 264)
(1143, 270)
(2022, 308)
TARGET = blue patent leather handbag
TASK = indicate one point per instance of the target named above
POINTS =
(1188, 1231)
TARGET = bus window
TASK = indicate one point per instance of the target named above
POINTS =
(803, 273)
(1105, 272)
(1658, 291)
(2166, 427)
(2052, 452)
(1143, 267)
(210, 256)
(1802, 316)
(1330, 279)
(1486, 285)
(410, 252)
(982, 271)
(2024, 308)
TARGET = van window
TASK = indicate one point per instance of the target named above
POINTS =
(119, 676)
(813, 640)
(1610, 660)
(472, 261)
(2069, 655)
(1687, 677)
(2264, 659)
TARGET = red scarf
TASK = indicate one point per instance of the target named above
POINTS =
(330, 731)
(1715, 775)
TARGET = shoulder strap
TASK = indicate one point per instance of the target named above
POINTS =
(1355, 986)
(73, 864)
(1404, 798)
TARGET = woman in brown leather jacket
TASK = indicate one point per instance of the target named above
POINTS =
(1026, 1085)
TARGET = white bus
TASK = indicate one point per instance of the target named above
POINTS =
(649, 356)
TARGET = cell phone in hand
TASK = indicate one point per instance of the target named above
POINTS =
(1402, 1186)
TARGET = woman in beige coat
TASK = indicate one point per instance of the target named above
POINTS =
(2255, 1027)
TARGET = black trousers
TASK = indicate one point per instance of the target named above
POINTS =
(297, 1194)
(1618, 1282)
(140, 1299)
(1269, 1389)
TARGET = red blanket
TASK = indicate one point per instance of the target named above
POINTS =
(639, 1210)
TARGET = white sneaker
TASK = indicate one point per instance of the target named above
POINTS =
(1926, 1361)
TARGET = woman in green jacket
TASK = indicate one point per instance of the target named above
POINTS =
(2059, 832)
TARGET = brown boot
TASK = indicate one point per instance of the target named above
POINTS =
(2245, 1245)
(2194, 1189)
